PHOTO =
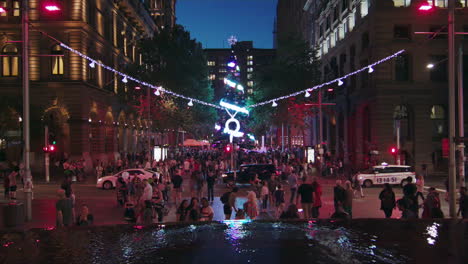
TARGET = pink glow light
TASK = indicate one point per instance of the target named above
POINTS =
(2, 10)
(52, 8)
(425, 7)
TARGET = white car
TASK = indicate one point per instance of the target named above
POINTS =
(392, 174)
(109, 182)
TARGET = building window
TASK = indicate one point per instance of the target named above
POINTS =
(341, 32)
(364, 8)
(439, 72)
(401, 3)
(332, 40)
(439, 3)
(250, 57)
(250, 83)
(16, 8)
(10, 61)
(211, 63)
(249, 62)
(250, 91)
(464, 3)
(336, 14)
(249, 69)
(222, 70)
(437, 116)
(100, 22)
(321, 30)
(212, 77)
(352, 20)
(249, 76)
(57, 61)
(401, 32)
(402, 68)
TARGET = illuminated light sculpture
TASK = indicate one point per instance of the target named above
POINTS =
(231, 64)
(217, 127)
(234, 107)
(233, 85)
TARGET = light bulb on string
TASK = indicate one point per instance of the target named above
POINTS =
(92, 64)
(340, 82)
(190, 103)
(274, 104)
(124, 80)
(307, 94)
(371, 70)
(157, 93)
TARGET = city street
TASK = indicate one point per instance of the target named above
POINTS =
(103, 204)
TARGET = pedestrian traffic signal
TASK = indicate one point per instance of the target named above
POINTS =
(425, 7)
(393, 150)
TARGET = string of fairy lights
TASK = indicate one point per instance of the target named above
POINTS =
(274, 102)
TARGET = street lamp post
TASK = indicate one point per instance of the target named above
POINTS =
(461, 129)
(451, 72)
(26, 136)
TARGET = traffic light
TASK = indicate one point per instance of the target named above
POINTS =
(51, 6)
(49, 149)
(52, 139)
(228, 149)
(393, 150)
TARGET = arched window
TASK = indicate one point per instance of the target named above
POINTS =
(404, 119)
(10, 61)
(57, 60)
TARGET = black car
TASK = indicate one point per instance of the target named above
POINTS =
(247, 173)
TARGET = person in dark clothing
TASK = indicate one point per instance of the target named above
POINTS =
(291, 213)
(194, 210)
(339, 194)
(409, 194)
(210, 182)
(66, 186)
(406, 213)
(177, 184)
(387, 200)
(463, 206)
(305, 193)
(85, 218)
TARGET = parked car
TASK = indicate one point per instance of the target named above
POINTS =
(379, 175)
(109, 182)
(247, 172)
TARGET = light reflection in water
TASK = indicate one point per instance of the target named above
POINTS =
(432, 232)
(236, 231)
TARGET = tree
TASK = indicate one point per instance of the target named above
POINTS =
(295, 68)
(173, 60)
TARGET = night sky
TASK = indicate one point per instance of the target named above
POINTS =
(212, 21)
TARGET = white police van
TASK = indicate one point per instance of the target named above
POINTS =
(392, 174)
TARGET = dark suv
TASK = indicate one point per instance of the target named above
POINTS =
(247, 173)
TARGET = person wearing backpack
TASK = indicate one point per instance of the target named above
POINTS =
(229, 201)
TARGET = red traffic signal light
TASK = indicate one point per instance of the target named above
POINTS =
(228, 148)
(393, 150)
(51, 7)
(49, 148)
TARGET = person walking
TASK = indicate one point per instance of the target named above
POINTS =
(177, 182)
(210, 182)
(99, 169)
(348, 201)
(409, 194)
(122, 191)
(431, 205)
(305, 194)
(251, 206)
(157, 201)
(292, 180)
(339, 194)
(279, 200)
(317, 204)
(12, 182)
(264, 194)
(463, 205)
(387, 200)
